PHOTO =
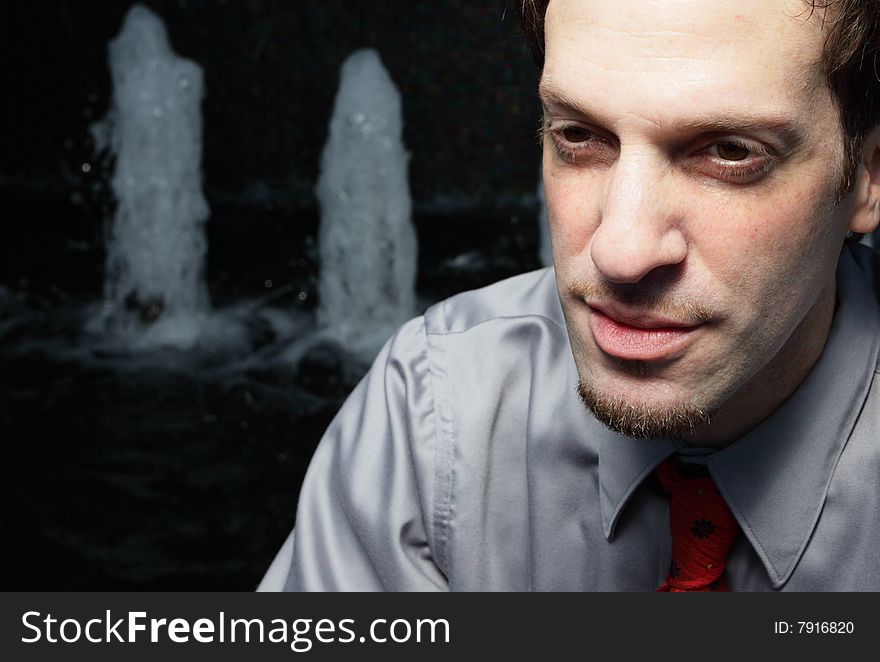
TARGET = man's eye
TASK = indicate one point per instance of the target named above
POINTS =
(576, 134)
(732, 151)
(575, 143)
(738, 161)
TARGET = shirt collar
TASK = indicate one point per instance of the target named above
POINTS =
(776, 477)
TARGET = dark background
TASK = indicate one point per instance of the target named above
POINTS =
(160, 472)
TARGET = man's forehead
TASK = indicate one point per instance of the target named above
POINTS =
(684, 51)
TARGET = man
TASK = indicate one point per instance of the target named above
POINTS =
(704, 164)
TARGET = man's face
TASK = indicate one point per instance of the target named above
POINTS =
(691, 156)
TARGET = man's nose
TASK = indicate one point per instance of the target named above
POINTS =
(640, 229)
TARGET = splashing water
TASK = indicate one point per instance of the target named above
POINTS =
(367, 240)
(154, 291)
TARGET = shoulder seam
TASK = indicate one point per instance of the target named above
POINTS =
(441, 507)
(493, 319)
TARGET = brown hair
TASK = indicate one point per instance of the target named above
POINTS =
(850, 58)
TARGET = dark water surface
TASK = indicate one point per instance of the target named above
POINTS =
(139, 476)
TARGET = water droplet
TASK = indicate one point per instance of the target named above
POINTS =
(267, 283)
(86, 167)
(302, 296)
(184, 83)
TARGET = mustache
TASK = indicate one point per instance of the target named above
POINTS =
(648, 298)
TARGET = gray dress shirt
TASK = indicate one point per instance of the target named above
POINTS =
(465, 461)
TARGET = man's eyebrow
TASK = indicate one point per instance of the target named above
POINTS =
(549, 94)
(722, 122)
(785, 127)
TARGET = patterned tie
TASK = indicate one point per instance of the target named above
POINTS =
(702, 526)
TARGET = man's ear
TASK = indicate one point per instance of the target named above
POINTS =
(866, 209)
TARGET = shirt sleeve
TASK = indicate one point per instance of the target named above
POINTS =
(365, 513)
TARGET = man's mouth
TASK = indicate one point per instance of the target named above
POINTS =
(638, 335)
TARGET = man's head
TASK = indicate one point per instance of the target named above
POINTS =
(849, 63)
(700, 180)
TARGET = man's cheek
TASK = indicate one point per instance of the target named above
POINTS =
(571, 233)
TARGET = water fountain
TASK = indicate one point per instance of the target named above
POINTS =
(192, 451)
(154, 292)
(367, 240)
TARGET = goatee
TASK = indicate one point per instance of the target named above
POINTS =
(643, 422)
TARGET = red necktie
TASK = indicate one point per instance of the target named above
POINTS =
(702, 527)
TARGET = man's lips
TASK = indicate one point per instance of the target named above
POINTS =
(637, 335)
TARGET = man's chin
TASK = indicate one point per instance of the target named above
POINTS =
(642, 420)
